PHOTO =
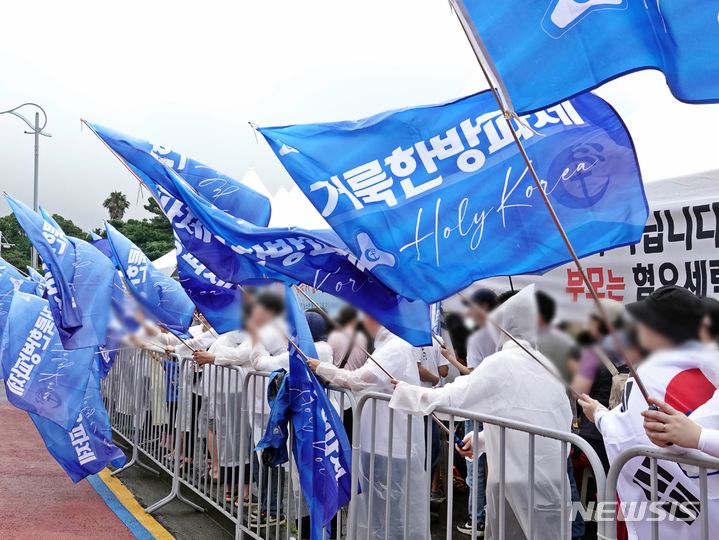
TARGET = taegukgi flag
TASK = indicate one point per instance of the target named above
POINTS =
(431, 199)
(40, 375)
(544, 51)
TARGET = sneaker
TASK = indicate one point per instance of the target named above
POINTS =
(265, 520)
(466, 528)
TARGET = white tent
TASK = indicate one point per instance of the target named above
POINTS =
(167, 264)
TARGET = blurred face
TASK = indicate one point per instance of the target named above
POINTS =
(651, 340)
(372, 326)
(478, 315)
(260, 316)
(595, 328)
(705, 334)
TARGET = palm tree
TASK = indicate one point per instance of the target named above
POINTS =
(116, 204)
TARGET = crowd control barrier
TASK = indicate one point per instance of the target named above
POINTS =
(697, 465)
(200, 426)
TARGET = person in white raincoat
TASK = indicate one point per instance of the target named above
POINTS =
(680, 371)
(190, 387)
(221, 407)
(407, 477)
(511, 384)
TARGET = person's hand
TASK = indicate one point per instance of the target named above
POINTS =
(203, 357)
(313, 363)
(170, 349)
(668, 426)
(590, 406)
(466, 450)
(394, 382)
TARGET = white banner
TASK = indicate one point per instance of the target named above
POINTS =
(680, 246)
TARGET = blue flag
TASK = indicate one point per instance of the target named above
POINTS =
(322, 451)
(39, 279)
(153, 166)
(219, 301)
(86, 446)
(224, 192)
(545, 51)
(40, 376)
(159, 295)
(11, 280)
(316, 258)
(433, 198)
(78, 279)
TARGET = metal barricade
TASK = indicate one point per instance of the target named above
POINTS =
(654, 455)
(273, 492)
(389, 466)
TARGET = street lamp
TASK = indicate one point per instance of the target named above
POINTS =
(36, 130)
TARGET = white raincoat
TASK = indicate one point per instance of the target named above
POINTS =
(271, 336)
(685, 377)
(222, 398)
(511, 384)
(397, 357)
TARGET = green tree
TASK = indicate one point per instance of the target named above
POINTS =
(153, 236)
(116, 204)
(19, 254)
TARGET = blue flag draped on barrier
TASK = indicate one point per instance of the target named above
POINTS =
(78, 279)
(433, 198)
(317, 258)
(322, 451)
(86, 446)
(40, 375)
(150, 164)
(159, 295)
(219, 301)
(545, 51)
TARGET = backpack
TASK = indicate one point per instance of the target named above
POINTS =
(618, 379)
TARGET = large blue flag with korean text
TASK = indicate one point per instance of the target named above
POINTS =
(78, 279)
(545, 51)
(40, 375)
(431, 199)
(316, 258)
(205, 265)
(320, 445)
(160, 296)
(218, 300)
(86, 446)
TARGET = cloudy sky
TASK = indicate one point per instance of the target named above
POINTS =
(192, 74)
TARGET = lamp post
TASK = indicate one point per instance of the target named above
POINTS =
(35, 129)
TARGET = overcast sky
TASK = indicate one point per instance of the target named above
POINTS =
(192, 74)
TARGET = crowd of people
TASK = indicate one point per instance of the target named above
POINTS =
(505, 356)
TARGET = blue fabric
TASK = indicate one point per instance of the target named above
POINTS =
(85, 447)
(433, 198)
(224, 192)
(77, 276)
(317, 258)
(273, 443)
(153, 165)
(11, 280)
(40, 376)
(548, 50)
(218, 300)
(160, 296)
(39, 279)
(322, 451)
